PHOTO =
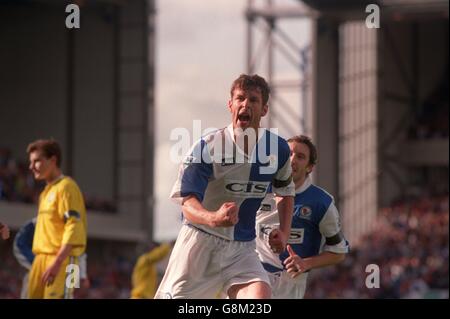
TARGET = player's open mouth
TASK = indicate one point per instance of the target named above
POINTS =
(244, 119)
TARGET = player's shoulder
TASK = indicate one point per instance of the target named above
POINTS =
(210, 136)
(203, 147)
(274, 139)
(207, 139)
(320, 194)
(213, 134)
(67, 183)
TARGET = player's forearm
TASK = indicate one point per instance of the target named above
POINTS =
(63, 253)
(324, 259)
(194, 212)
(285, 206)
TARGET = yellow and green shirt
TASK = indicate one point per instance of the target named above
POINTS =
(61, 218)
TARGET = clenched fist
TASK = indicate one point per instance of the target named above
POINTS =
(226, 215)
(277, 241)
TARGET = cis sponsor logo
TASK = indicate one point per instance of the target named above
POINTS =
(248, 189)
(265, 230)
(296, 236)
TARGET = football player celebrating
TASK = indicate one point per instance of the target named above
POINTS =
(315, 227)
(220, 187)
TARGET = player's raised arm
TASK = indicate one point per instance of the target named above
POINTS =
(278, 238)
(284, 188)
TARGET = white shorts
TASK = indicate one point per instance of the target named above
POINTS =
(286, 287)
(203, 266)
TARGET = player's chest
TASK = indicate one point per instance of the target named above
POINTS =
(48, 201)
(305, 214)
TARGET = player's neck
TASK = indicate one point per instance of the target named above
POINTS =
(246, 139)
(56, 174)
(299, 183)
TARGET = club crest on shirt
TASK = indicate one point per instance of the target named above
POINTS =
(51, 197)
(303, 212)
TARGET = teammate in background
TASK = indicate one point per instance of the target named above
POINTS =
(220, 186)
(22, 249)
(4, 231)
(145, 274)
(60, 235)
(315, 227)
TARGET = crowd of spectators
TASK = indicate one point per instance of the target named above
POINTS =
(409, 244)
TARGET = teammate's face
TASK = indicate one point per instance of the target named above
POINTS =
(41, 166)
(246, 107)
(300, 161)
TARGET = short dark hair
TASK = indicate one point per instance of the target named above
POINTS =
(48, 147)
(308, 142)
(246, 82)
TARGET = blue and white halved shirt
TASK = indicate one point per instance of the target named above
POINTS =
(216, 171)
(315, 226)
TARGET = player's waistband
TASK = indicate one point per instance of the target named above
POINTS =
(271, 268)
(218, 237)
(205, 232)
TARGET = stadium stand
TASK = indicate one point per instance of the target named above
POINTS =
(410, 246)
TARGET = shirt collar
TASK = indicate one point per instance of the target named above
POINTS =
(230, 130)
(60, 177)
(261, 133)
(304, 186)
